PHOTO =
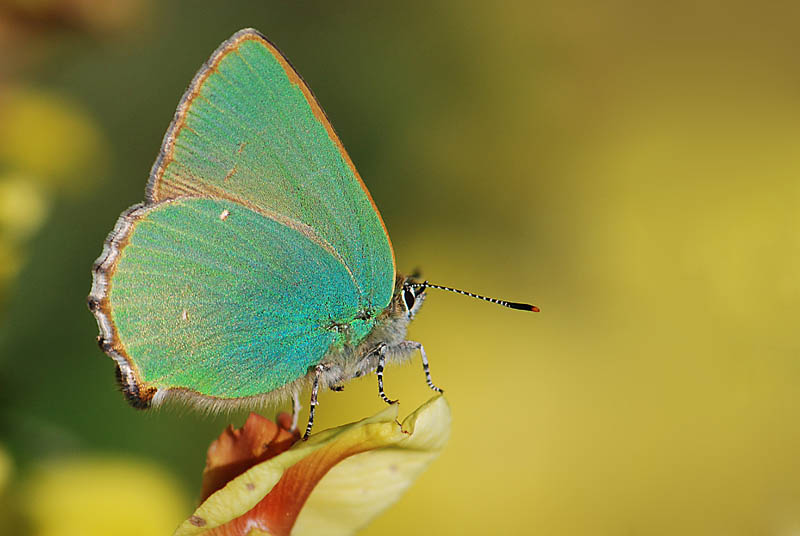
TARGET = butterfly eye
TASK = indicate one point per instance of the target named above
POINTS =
(408, 298)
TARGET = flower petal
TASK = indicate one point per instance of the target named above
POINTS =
(333, 475)
(235, 451)
(97, 496)
(359, 488)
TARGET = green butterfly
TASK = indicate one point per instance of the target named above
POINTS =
(258, 265)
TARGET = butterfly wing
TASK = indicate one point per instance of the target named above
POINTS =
(256, 242)
(249, 129)
(198, 303)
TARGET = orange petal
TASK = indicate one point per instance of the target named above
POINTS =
(236, 451)
(278, 510)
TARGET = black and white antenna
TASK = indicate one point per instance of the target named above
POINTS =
(511, 305)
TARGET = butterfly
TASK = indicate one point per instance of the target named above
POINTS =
(258, 265)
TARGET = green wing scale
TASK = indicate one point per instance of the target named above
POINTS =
(256, 239)
(250, 130)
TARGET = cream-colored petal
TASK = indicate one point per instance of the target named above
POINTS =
(359, 488)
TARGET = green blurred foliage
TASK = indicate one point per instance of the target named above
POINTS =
(629, 167)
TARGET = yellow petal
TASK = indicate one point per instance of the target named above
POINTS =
(23, 206)
(50, 138)
(91, 496)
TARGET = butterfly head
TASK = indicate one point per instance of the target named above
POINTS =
(410, 293)
(412, 297)
(407, 298)
(413, 293)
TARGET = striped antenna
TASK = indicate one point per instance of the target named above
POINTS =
(511, 305)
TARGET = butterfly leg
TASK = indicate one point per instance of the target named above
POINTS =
(381, 363)
(313, 405)
(295, 410)
(413, 345)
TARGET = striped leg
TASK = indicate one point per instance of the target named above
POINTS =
(295, 410)
(418, 346)
(313, 404)
(381, 363)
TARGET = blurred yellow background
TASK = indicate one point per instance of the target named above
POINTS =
(631, 168)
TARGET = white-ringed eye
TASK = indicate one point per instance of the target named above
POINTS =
(408, 299)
